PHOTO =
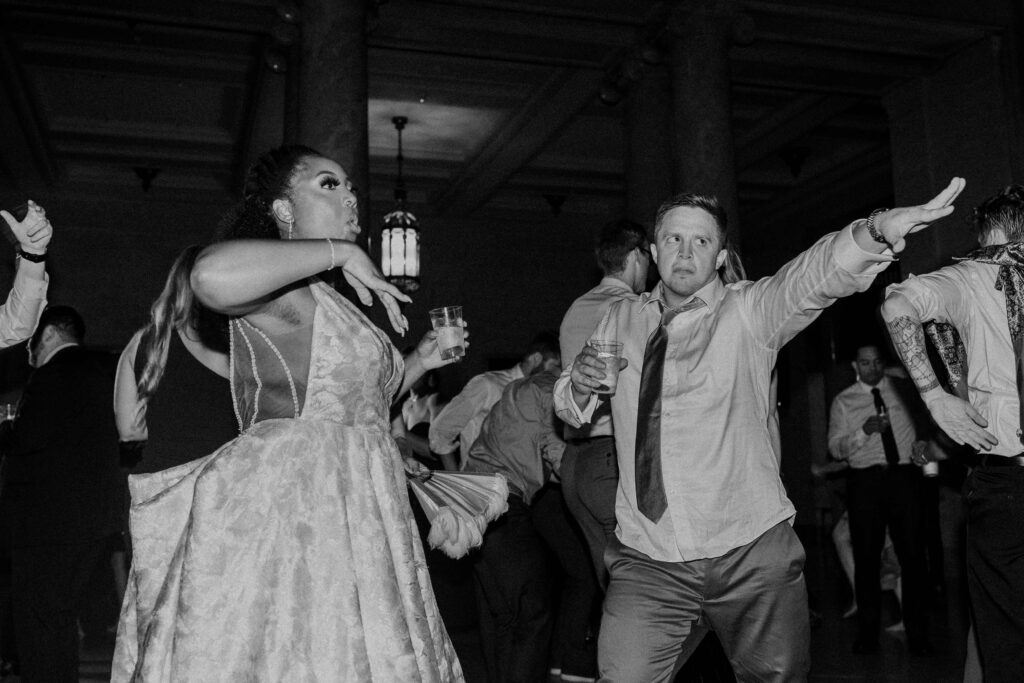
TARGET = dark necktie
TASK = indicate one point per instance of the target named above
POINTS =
(650, 488)
(892, 451)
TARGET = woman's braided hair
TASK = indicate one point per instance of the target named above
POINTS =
(268, 179)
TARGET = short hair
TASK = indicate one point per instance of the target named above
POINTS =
(546, 344)
(870, 344)
(732, 270)
(614, 243)
(1004, 210)
(66, 320)
(707, 202)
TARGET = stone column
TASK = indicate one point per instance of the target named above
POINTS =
(704, 155)
(649, 145)
(333, 90)
(955, 121)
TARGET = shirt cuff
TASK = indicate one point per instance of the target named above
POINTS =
(855, 260)
(565, 404)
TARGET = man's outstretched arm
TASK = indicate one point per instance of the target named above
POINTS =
(958, 418)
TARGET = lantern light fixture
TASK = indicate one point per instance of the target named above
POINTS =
(400, 233)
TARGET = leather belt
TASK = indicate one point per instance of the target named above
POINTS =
(990, 460)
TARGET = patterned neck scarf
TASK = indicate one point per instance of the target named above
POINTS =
(1010, 281)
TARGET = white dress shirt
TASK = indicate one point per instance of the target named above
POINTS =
(964, 295)
(458, 423)
(719, 454)
(578, 324)
(851, 408)
(25, 303)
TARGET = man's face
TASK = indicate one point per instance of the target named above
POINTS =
(869, 365)
(688, 251)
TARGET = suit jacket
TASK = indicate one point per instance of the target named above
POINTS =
(62, 483)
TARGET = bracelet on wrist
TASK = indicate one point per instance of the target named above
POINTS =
(330, 243)
(29, 256)
(873, 231)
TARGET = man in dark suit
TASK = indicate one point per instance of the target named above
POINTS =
(61, 494)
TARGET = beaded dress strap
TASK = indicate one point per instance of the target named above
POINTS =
(241, 324)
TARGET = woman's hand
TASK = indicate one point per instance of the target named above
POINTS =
(362, 273)
(34, 231)
(430, 355)
(414, 469)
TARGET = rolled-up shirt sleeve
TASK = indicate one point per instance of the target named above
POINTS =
(453, 418)
(25, 303)
(937, 296)
(565, 406)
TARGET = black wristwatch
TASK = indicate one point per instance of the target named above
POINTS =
(29, 256)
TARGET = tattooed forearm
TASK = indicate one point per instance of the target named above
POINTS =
(908, 338)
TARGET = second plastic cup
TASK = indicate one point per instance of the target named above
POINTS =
(447, 320)
(608, 351)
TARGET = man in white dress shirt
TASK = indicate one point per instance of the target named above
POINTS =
(982, 298)
(875, 425)
(458, 424)
(703, 519)
(590, 471)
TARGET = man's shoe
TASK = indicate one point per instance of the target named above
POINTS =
(865, 647)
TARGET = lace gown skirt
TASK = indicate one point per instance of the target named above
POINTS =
(290, 554)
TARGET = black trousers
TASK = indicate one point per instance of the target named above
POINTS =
(574, 642)
(590, 480)
(513, 591)
(880, 497)
(48, 583)
(995, 568)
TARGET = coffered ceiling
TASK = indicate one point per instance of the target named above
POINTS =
(503, 96)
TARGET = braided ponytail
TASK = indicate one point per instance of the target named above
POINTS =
(268, 179)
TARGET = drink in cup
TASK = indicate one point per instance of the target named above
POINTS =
(447, 320)
(609, 352)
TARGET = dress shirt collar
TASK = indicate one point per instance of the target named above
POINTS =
(613, 282)
(881, 386)
(710, 295)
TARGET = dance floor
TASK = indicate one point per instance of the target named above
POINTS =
(832, 636)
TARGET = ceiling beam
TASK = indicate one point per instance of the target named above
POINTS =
(552, 106)
(30, 131)
(787, 125)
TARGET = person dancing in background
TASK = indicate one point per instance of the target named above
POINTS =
(290, 553)
(977, 307)
(182, 351)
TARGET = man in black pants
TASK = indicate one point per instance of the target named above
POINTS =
(875, 425)
(982, 298)
(61, 494)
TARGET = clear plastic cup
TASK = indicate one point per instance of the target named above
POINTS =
(447, 320)
(610, 352)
